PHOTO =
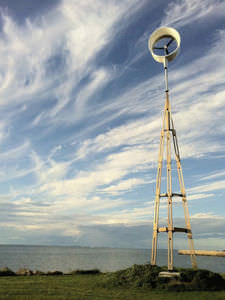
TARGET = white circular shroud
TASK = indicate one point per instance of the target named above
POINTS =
(159, 34)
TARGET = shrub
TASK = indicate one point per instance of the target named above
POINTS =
(37, 272)
(187, 275)
(54, 273)
(147, 276)
(137, 275)
(24, 272)
(206, 280)
(6, 272)
(85, 272)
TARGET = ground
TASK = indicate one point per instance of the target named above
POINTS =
(82, 287)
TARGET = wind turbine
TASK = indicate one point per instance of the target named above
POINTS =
(164, 45)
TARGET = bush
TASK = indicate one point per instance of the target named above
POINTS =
(54, 273)
(86, 272)
(37, 272)
(147, 276)
(187, 275)
(137, 275)
(6, 272)
(206, 280)
(24, 272)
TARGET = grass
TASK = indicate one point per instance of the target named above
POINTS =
(82, 287)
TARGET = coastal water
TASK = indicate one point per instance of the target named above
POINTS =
(50, 258)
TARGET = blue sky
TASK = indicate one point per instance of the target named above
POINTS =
(81, 103)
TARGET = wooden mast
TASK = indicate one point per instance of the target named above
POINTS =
(168, 132)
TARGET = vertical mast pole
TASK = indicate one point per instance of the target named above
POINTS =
(169, 175)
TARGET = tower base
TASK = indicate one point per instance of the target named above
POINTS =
(169, 274)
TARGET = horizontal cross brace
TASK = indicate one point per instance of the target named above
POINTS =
(170, 129)
(202, 252)
(174, 229)
(173, 195)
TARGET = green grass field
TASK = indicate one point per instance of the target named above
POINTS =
(86, 287)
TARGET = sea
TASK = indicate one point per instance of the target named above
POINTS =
(67, 258)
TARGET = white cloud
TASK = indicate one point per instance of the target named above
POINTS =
(15, 153)
(124, 186)
(12, 160)
(49, 170)
(214, 186)
(207, 216)
(199, 196)
(98, 79)
(113, 168)
(199, 107)
(213, 176)
(22, 66)
(132, 134)
(67, 38)
(180, 13)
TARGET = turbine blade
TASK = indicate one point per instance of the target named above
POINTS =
(170, 42)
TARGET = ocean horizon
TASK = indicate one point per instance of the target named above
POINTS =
(106, 259)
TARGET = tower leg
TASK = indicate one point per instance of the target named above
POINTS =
(157, 196)
(184, 200)
(189, 234)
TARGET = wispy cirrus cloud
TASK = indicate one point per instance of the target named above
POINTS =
(124, 186)
(74, 38)
(180, 13)
(113, 168)
(213, 186)
(213, 176)
(199, 106)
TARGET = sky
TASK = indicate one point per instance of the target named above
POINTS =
(81, 103)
